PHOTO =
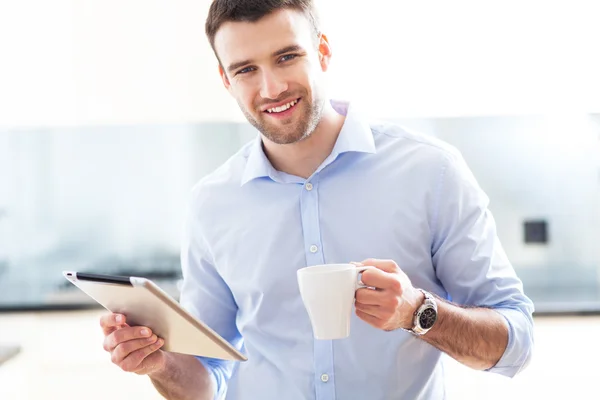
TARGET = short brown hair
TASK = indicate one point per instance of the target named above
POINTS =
(222, 11)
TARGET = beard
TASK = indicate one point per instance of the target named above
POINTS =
(298, 127)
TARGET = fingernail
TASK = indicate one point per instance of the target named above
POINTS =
(119, 319)
(144, 332)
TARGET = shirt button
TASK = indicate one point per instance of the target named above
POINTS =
(325, 378)
(314, 249)
(308, 186)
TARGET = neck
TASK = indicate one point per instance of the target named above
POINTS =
(304, 157)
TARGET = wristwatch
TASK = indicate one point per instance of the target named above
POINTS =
(425, 316)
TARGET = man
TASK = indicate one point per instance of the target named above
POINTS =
(322, 185)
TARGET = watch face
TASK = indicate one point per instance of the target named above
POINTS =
(427, 318)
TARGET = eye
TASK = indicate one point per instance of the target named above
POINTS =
(288, 57)
(245, 70)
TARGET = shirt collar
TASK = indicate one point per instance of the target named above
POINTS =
(257, 164)
(355, 135)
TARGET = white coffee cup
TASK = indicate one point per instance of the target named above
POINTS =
(328, 294)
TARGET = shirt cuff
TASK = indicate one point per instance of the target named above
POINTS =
(215, 376)
(520, 343)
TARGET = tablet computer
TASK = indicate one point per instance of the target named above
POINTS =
(145, 304)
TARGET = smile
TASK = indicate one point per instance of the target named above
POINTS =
(283, 108)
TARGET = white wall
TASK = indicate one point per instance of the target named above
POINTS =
(87, 62)
(538, 167)
(466, 58)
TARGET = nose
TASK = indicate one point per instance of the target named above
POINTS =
(272, 85)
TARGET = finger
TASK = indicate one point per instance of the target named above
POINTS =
(384, 313)
(384, 300)
(133, 361)
(372, 310)
(371, 320)
(125, 348)
(380, 279)
(369, 296)
(124, 334)
(384, 265)
(111, 322)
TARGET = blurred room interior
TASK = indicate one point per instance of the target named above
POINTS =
(111, 111)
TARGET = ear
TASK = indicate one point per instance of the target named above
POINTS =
(324, 52)
(224, 78)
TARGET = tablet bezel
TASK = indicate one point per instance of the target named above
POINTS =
(102, 298)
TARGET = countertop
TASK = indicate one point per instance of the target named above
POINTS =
(61, 357)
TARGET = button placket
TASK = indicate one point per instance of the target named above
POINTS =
(313, 248)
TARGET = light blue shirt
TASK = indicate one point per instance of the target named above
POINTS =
(384, 193)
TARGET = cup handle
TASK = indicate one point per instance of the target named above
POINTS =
(359, 271)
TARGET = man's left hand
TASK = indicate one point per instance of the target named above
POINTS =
(392, 303)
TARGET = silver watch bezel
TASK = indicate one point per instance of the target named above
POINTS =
(428, 303)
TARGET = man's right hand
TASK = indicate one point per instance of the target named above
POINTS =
(132, 348)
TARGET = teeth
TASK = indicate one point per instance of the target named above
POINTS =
(283, 107)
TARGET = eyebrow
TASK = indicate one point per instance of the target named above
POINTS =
(287, 49)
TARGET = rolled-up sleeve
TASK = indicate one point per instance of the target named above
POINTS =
(472, 265)
(520, 342)
(206, 296)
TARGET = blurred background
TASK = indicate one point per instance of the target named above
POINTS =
(110, 111)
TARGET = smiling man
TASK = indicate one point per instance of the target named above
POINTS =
(320, 184)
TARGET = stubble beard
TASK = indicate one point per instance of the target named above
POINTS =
(299, 128)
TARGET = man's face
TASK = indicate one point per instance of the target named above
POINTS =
(273, 68)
